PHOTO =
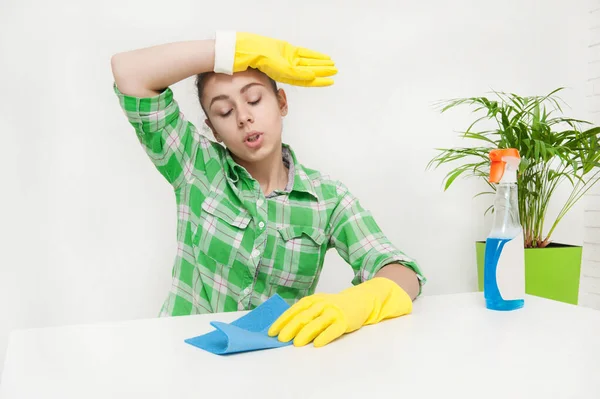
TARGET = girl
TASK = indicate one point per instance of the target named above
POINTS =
(252, 220)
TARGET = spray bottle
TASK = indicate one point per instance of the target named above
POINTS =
(504, 267)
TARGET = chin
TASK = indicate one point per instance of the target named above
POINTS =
(259, 154)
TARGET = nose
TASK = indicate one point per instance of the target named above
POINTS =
(244, 116)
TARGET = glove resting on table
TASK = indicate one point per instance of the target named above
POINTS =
(325, 317)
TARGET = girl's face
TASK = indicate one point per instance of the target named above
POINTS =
(245, 114)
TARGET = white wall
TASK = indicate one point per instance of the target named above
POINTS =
(589, 290)
(88, 226)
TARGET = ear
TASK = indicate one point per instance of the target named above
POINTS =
(282, 102)
(214, 132)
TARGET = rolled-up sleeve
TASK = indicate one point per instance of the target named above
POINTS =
(358, 239)
(170, 141)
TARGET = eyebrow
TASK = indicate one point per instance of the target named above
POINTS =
(226, 97)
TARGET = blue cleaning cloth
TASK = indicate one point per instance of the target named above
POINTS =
(248, 333)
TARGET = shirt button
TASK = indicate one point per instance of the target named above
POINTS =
(255, 253)
(259, 202)
(261, 225)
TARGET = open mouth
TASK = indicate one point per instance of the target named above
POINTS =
(253, 138)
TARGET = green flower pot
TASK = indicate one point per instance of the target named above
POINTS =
(552, 272)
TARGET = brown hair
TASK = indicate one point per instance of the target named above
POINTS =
(201, 78)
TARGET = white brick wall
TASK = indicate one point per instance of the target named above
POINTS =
(589, 290)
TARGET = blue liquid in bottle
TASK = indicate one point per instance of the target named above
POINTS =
(493, 297)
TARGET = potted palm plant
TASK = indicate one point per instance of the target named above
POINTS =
(556, 151)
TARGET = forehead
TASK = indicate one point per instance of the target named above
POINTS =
(218, 83)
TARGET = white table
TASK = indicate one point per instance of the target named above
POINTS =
(450, 347)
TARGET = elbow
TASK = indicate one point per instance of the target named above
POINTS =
(126, 76)
(123, 78)
(116, 65)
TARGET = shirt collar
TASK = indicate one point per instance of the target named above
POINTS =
(232, 169)
(298, 179)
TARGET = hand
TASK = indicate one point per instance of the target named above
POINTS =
(325, 317)
(281, 61)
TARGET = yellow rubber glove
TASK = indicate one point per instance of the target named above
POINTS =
(283, 62)
(325, 317)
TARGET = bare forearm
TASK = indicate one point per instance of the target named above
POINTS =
(403, 276)
(147, 71)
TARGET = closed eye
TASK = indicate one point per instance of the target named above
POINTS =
(226, 114)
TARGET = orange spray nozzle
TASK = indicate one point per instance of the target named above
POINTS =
(498, 163)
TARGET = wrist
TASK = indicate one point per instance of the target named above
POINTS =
(391, 299)
(225, 42)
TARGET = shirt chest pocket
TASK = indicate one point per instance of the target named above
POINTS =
(221, 230)
(299, 256)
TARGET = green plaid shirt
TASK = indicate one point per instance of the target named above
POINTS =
(236, 246)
